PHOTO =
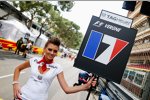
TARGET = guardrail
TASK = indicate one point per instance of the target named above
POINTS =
(114, 92)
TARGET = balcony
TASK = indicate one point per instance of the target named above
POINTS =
(138, 20)
(144, 27)
(142, 34)
(141, 48)
(140, 67)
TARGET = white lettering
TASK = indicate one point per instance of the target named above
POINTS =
(118, 20)
(98, 23)
(114, 28)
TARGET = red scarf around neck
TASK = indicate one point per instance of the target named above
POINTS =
(43, 60)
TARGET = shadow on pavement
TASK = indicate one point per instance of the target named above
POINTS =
(10, 55)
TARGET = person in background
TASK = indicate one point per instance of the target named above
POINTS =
(19, 43)
(28, 47)
(43, 71)
(83, 78)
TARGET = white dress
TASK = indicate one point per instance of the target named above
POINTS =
(38, 84)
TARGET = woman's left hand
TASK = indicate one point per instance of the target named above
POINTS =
(89, 83)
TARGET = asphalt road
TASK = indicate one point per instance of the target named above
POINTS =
(8, 62)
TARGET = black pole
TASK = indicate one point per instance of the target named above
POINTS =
(89, 93)
(90, 90)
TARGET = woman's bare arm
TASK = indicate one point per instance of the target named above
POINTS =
(16, 87)
(18, 69)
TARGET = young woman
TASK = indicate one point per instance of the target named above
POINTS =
(43, 71)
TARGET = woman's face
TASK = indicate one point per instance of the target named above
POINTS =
(51, 51)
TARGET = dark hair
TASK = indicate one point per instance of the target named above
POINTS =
(53, 40)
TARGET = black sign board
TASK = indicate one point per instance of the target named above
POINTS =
(105, 49)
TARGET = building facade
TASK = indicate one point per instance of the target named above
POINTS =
(136, 77)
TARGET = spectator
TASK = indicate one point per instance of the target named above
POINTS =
(19, 43)
(28, 47)
(83, 78)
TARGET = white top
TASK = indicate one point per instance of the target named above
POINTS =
(38, 84)
(29, 45)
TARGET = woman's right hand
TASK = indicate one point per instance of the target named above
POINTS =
(17, 91)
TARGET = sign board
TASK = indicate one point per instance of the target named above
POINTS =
(105, 49)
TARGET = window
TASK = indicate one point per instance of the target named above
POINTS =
(33, 26)
(125, 74)
(147, 62)
(131, 75)
(36, 27)
(139, 79)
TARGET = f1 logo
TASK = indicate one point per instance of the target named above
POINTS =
(115, 47)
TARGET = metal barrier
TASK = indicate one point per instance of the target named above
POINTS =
(113, 91)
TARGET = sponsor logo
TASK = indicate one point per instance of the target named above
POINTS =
(98, 24)
(117, 19)
(52, 66)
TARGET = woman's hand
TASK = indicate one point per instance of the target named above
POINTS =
(17, 90)
(89, 83)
